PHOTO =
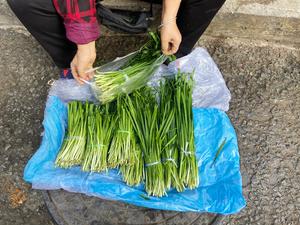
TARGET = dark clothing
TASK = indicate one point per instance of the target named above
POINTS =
(47, 26)
(44, 23)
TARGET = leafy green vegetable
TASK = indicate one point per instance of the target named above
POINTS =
(219, 151)
(144, 115)
(133, 174)
(188, 168)
(133, 75)
(100, 132)
(73, 147)
(122, 150)
(144, 197)
(170, 152)
(91, 145)
(148, 135)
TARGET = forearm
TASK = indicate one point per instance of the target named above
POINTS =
(170, 9)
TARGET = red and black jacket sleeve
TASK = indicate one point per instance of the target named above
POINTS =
(80, 19)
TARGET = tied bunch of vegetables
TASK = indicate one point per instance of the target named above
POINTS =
(133, 174)
(123, 145)
(188, 168)
(144, 115)
(101, 124)
(73, 147)
(165, 134)
(132, 75)
(124, 152)
(89, 133)
(170, 151)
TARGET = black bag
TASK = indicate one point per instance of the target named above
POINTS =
(124, 21)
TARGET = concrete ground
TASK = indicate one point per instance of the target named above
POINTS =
(262, 71)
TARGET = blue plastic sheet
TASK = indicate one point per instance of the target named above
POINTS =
(220, 189)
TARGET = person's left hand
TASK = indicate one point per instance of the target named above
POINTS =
(170, 38)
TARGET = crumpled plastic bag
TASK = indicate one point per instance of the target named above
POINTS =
(210, 88)
(220, 189)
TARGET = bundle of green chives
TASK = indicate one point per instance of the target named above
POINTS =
(144, 115)
(170, 152)
(147, 140)
(122, 150)
(133, 174)
(188, 168)
(131, 76)
(73, 147)
(91, 144)
(96, 158)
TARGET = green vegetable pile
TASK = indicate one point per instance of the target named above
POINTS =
(148, 135)
(73, 148)
(132, 75)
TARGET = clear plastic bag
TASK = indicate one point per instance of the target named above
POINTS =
(129, 82)
(69, 90)
(210, 88)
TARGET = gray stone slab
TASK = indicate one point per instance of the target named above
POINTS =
(276, 8)
(285, 30)
(131, 5)
(253, 27)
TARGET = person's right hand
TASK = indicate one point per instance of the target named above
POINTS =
(170, 38)
(83, 61)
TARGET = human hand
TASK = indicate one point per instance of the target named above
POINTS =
(83, 61)
(170, 38)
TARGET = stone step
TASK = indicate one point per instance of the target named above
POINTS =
(270, 8)
(237, 19)
(281, 30)
(130, 5)
(275, 21)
